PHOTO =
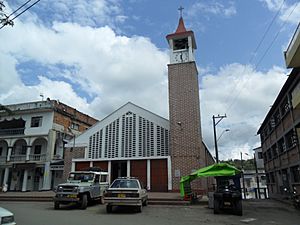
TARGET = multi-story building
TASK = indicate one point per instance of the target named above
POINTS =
(280, 130)
(32, 139)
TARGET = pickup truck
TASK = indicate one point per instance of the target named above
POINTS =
(80, 188)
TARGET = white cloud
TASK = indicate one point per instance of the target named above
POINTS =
(288, 12)
(213, 7)
(113, 69)
(244, 95)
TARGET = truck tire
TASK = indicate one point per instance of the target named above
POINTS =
(145, 203)
(56, 205)
(108, 208)
(84, 201)
(216, 206)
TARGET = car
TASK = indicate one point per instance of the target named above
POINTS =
(81, 187)
(126, 191)
(6, 217)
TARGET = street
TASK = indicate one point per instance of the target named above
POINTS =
(264, 212)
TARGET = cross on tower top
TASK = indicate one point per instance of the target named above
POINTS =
(180, 9)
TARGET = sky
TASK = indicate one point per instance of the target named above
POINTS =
(96, 55)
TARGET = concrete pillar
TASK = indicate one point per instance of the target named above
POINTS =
(148, 174)
(47, 177)
(109, 171)
(25, 178)
(9, 154)
(169, 168)
(128, 168)
(73, 167)
(6, 173)
(28, 150)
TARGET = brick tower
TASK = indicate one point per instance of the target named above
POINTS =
(187, 151)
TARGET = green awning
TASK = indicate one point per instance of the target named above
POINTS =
(215, 170)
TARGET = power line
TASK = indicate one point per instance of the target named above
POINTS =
(263, 56)
(20, 12)
(254, 54)
(19, 8)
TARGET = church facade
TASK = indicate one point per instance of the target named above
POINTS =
(135, 142)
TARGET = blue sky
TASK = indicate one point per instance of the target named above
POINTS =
(97, 55)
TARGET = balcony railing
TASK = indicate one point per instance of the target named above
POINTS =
(32, 157)
(2, 159)
(15, 131)
(15, 158)
(37, 157)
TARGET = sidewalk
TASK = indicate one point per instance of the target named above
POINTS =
(158, 198)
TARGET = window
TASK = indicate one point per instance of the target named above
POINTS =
(295, 174)
(260, 155)
(1, 150)
(274, 151)
(75, 126)
(180, 44)
(97, 178)
(36, 121)
(281, 145)
(291, 139)
(37, 149)
(103, 178)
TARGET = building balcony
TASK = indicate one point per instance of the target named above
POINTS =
(292, 54)
(32, 157)
(37, 157)
(8, 132)
(3, 159)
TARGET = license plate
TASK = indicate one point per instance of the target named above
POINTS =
(121, 195)
(71, 196)
(227, 203)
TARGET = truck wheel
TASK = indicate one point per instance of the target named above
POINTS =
(108, 208)
(145, 203)
(56, 205)
(216, 206)
(83, 201)
(239, 208)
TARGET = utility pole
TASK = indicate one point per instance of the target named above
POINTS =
(215, 123)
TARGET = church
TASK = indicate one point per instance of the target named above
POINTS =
(134, 142)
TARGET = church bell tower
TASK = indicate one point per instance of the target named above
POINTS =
(186, 148)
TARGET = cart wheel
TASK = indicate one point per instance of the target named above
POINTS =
(239, 208)
(216, 206)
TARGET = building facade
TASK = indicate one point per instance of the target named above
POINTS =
(280, 130)
(132, 142)
(187, 150)
(279, 133)
(32, 139)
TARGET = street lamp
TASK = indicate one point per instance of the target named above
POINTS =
(222, 134)
(215, 123)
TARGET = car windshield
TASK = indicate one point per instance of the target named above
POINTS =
(125, 184)
(83, 177)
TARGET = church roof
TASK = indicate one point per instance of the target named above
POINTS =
(182, 32)
(181, 27)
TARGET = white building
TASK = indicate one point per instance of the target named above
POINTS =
(32, 137)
